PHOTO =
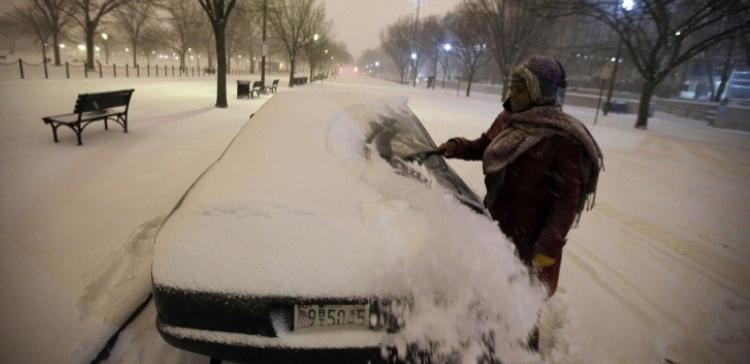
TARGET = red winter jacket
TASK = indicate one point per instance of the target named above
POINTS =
(536, 203)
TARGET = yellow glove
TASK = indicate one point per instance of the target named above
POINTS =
(542, 261)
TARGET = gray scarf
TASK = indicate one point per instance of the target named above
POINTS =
(525, 129)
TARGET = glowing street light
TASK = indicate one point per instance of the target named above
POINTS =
(377, 63)
(447, 47)
(316, 36)
(62, 46)
(414, 56)
(628, 4)
(82, 47)
(106, 48)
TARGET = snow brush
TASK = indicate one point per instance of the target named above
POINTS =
(421, 156)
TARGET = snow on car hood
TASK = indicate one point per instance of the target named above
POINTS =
(300, 206)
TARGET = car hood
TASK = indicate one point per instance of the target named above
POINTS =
(301, 205)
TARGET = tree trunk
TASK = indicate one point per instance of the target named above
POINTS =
(643, 107)
(135, 55)
(710, 75)
(90, 48)
(468, 86)
(311, 72)
(291, 70)
(221, 65)
(726, 71)
(182, 61)
(56, 47)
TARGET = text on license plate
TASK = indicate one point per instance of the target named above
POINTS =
(330, 316)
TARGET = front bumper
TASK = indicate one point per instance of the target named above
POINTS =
(358, 347)
(259, 329)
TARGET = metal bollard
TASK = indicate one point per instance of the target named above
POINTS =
(20, 67)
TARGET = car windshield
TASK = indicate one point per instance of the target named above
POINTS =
(399, 137)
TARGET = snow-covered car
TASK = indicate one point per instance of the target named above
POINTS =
(282, 250)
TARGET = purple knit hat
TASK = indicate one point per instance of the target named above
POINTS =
(543, 77)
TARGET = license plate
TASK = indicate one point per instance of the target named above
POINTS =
(311, 317)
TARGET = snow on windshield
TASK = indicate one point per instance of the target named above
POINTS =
(466, 282)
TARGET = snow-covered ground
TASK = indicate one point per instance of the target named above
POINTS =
(76, 222)
(657, 271)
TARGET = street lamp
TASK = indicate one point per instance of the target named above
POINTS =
(106, 48)
(414, 56)
(626, 5)
(316, 36)
(447, 47)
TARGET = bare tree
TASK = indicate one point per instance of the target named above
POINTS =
(89, 14)
(469, 47)
(317, 51)
(218, 12)
(510, 28)
(294, 23)
(250, 11)
(10, 32)
(30, 20)
(152, 39)
(396, 42)
(131, 19)
(55, 14)
(183, 18)
(433, 37)
(660, 35)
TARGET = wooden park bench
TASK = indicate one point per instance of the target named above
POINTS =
(274, 87)
(257, 89)
(244, 89)
(106, 106)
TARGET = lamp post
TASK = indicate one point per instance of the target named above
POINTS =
(106, 48)
(414, 44)
(626, 5)
(447, 47)
(264, 48)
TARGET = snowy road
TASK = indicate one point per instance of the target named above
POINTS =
(658, 270)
